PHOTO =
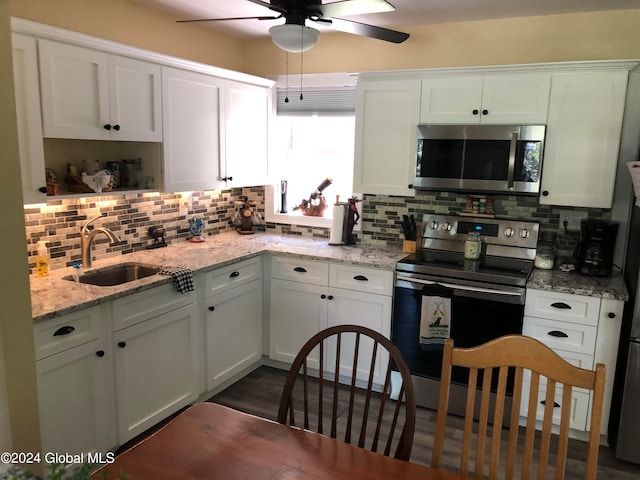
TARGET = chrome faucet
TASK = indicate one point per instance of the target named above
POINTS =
(86, 239)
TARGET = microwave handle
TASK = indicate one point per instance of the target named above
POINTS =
(512, 160)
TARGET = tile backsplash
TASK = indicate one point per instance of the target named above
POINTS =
(131, 215)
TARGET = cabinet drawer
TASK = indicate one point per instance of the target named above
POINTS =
(579, 406)
(565, 336)
(362, 279)
(59, 334)
(221, 279)
(141, 306)
(562, 306)
(299, 270)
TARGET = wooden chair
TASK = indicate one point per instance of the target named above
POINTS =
(350, 355)
(525, 354)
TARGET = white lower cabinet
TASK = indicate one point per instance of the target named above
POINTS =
(158, 361)
(75, 379)
(584, 331)
(305, 299)
(233, 320)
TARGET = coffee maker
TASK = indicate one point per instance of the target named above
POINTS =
(594, 251)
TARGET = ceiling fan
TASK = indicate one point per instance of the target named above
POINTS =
(294, 36)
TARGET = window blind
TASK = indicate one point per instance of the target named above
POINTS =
(322, 102)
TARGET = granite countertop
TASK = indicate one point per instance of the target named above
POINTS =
(52, 296)
(612, 287)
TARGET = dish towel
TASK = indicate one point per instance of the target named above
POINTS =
(435, 315)
(182, 277)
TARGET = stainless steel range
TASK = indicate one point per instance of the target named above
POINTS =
(487, 293)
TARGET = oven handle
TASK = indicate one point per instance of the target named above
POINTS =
(459, 287)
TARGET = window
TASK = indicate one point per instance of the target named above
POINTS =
(312, 140)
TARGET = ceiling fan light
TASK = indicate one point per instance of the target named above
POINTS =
(294, 38)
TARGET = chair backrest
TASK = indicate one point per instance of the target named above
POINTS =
(536, 367)
(343, 395)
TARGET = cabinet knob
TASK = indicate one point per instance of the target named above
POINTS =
(234, 274)
(122, 344)
(107, 127)
(300, 270)
(100, 353)
(555, 404)
(323, 296)
(361, 278)
(42, 189)
(485, 112)
(475, 111)
(611, 315)
(66, 330)
(330, 297)
(545, 193)
(116, 128)
(410, 186)
(212, 308)
(227, 179)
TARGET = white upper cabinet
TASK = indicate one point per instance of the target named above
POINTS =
(501, 99)
(92, 95)
(29, 120)
(583, 137)
(387, 114)
(246, 134)
(191, 123)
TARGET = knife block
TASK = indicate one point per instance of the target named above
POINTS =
(409, 246)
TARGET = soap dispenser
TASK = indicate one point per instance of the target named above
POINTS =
(42, 260)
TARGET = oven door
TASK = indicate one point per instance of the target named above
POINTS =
(479, 313)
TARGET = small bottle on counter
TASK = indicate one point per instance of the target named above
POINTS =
(42, 260)
(472, 246)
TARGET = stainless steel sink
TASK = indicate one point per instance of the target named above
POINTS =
(117, 274)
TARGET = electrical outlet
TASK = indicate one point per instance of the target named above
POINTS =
(573, 218)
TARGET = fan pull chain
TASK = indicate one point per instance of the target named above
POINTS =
(301, 56)
(286, 87)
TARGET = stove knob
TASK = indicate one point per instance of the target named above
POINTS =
(433, 225)
(446, 226)
(524, 233)
(508, 232)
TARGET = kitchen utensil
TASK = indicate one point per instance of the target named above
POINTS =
(283, 196)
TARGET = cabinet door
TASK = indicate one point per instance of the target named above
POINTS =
(246, 125)
(233, 332)
(583, 136)
(134, 100)
(298, 311)
(451, 100)
(387, 114)
(157, 365)
(607, 351)
(191, 127)
(73, 82)
(75, 395)
(29, 121)
(365, 309)
(515, 99)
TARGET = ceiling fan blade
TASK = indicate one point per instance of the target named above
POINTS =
(372, 31)
(275, 8)
(345, 8)
(228, 18)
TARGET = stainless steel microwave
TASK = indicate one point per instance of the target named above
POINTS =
(480, 158)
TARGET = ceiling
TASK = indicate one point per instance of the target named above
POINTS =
(407, 13)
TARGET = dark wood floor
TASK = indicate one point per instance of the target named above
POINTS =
(259, 394)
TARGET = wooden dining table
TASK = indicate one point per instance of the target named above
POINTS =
(211, 441)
